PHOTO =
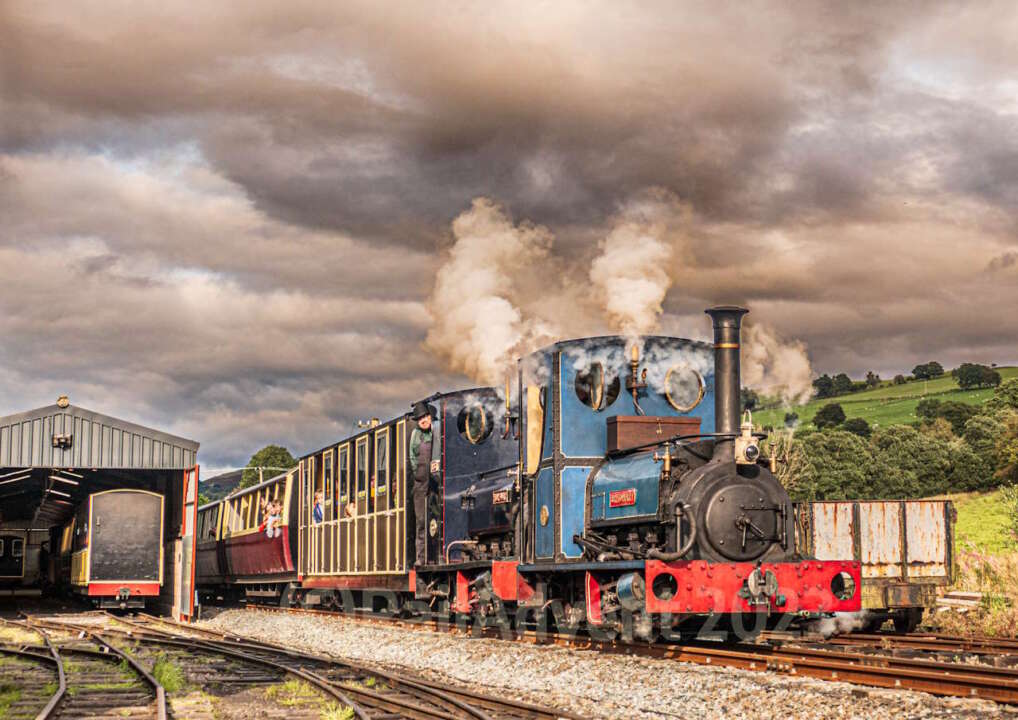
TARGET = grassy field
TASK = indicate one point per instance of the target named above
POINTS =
(983, 522)
(888, 404)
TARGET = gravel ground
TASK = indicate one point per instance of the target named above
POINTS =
(592, 684)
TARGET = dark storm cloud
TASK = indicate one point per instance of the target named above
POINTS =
(228, 218)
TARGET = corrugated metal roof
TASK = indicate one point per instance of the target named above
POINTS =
(91, 440)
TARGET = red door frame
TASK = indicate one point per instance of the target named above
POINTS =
(188, 603)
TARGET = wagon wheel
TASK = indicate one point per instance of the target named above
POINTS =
(908, 620)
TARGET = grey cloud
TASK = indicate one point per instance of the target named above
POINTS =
(228, 218)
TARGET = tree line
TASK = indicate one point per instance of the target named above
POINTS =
(951, 447)
(968, 375)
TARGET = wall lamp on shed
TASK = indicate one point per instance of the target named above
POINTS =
(23, 477)
(63, 479)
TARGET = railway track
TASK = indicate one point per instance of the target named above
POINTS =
(830, 662)
(369, 693)
(93, 679)
(931, 642)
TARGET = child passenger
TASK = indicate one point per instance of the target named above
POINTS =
(272, 528)
(318, 514)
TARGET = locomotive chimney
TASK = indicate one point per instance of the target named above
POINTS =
(727, 376)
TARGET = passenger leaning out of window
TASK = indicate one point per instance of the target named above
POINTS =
(420, 464)
(275, 511)
(318, 514)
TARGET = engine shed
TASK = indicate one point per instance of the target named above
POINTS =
(94, 505)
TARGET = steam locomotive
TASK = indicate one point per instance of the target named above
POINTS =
(617, 483)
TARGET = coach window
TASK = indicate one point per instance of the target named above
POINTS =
(362, 468)
(329, 488)
(684, 388)
(344, 473)
(17, 547)
(474, 423)
(594, 390)
(382, 462)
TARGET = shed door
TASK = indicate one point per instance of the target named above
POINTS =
(185, 597)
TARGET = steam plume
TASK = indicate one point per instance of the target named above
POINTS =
(630, 276)
(776, 366)
(479, 325)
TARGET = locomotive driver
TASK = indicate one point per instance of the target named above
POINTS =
(420, 465)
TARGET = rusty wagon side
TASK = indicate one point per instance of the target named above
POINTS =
(906, 548)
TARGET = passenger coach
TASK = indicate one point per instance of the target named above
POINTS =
(243, 549)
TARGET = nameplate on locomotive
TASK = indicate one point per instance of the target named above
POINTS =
(500, 497)
(622, 498)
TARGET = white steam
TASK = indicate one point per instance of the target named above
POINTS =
(479, 325)
(501, 293)
(840, 623)
(630, 276)
(775, 366)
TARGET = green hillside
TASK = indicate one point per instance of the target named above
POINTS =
(983, 522)
(887, 404)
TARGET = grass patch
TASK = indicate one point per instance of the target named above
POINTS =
(293, 693)
(17, 636)
(887, 404)
(334, 711)
(9, 694)
(168, 674)
(996, 576)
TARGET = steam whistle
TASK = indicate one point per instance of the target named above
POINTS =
(636, 381)
(509, 417)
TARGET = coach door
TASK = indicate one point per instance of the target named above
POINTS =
(345, 508)
(398, 495)
(380, 520)
(362, 473)
(307, 545)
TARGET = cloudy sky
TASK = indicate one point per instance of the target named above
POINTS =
(228, 222)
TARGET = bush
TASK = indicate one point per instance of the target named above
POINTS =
(956, 413)
(1006, 449)
(923, 464)
(927, 408)
(900, 380)
(857, 426)
(1004, 397)
(829, 416)
(836, 465)
(981, 433)
(791, 418)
